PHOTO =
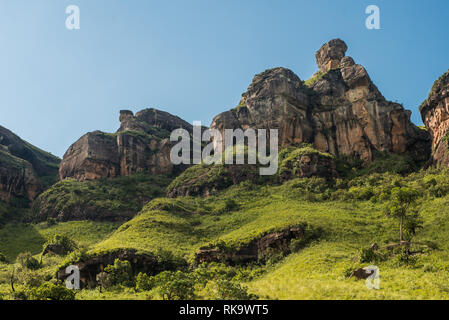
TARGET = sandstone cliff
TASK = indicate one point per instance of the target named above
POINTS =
(435, 115)
(141, 144)
(339, 110)
(24, 169)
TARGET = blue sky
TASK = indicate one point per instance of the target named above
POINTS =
(194, 58)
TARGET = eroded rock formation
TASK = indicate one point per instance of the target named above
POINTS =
(257, 250)
(339, 111)
(141, 144)
(140, 262)
(435, 115)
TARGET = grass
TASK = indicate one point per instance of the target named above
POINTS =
(18, 237)
(349, 213)
(107, 196)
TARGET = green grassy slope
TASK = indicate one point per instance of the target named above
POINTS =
(349, 212)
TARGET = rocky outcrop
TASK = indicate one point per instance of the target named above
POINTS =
(339, 111)
(24, 169)
(257, 250)
(205, 180)
(330, 55)
(435, 115)
(307, 162)
(361, 273)
(140, 262)
(141, 144)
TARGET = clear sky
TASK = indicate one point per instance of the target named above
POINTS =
(194, 58)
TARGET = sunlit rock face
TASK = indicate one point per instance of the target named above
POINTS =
(435, 115)
(339, 111)
(141, 144)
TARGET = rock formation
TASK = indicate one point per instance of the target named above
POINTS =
(435, 115)
(339, 111)
(24, 169)
(258, 250)
(141, 144)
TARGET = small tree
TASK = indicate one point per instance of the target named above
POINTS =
(175, 285)
(401, 207)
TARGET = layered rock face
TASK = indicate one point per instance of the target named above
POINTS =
(435, 115)
(141, 144)
(339, 111)
(23, 167)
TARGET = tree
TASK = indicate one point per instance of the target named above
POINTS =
(175, 285)
(401, 207)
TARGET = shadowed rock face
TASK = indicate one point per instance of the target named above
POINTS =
(340, 111)
(141, 144)
(435, 115)
(22, 166)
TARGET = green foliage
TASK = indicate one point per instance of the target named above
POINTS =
(120, 273)
(175, 285)
(64, 242)
(3, 258)
(402, 200)
(223, 289)
(51, 222)
(144, 282)
(314, 79)
(51, 291)
(26, 260)
(122, 194)
(369, 255)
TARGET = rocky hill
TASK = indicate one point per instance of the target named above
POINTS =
(140, 144)
(25, 171)
(339, 110)
(435, 115)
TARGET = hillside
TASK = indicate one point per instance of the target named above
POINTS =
(358, 184)
(25, 171)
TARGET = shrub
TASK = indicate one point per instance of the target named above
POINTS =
(368, 255)
(51, 291)
(224, 289)
(3, 258)
(63, 242)
(120, 273)
(26, 260)
(144, 282)
(51, 222)
(175, 285)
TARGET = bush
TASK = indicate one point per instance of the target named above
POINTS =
(51, 222)
(63, 243)
(120, 273)
(50, 291)
(368, 255)
(3, 258)
(175, 285)
(223, 289)
(26, 260)
(144, 282)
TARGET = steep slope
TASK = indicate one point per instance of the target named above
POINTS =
(435, 115)
(141, 144)
(339, 110)
(25, 171)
